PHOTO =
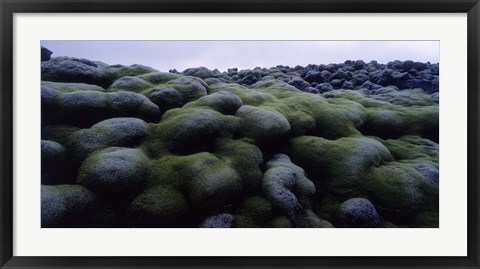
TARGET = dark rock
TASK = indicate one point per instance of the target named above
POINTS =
(359, 78)
(45, 54)
(200, 72)
(298, 83)
(324, 87)
(337, 83)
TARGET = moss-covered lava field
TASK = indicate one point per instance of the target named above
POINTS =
(339, 145)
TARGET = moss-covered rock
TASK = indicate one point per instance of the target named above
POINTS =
(67, 69)
(216, 183)
(254, 212)
(245, 159)
(114, 172)
(166, 97)
(171, 91)
(84, 108)
(283, 181)
(400, 192)
(130, 84)
(66, 205)
(159, 77)
(412, 148)
(120, 132)
(222, 101)
(262, 125)
(339, 164)
(358, 213)
(65, 87)
(53, 156)
(208, 181)
(160, 206)
(192, 129)
(218, 221)
(201, 141)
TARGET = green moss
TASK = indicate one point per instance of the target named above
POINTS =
(129, 84)
(158, 206)
(280, 222)
(114, 72)
(121, 132)
(427, 220)
(329, 118)
(192, 129)
(65, 87)
(390, 115)
(221, 101)
(248, 96)
(159, 77)
(261, 124)
(245, 158)
(208, 181)
(340, 164)
(255, 211)
(318, 222)
(411, 148)
(399, 191)
(215, 184)
(114, 172)
(176, 171)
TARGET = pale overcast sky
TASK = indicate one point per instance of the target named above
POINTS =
(166, 55)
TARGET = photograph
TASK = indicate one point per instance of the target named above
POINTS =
(239, 134)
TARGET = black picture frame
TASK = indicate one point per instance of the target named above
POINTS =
(9, 7)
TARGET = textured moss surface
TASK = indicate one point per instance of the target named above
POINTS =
(128, 146)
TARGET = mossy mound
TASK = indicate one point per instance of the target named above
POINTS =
(130, 84)
(254, 212)
(283, 182)
(358, 213)
(85, 108)
(192, 129)
(168, 91)
(400, 191)
(262, 125)
(160, 206)
(392, 114)
(222, 101)
(119, 132)
(68, 206)
(340, 164)
(67, 69)
(114, 173)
